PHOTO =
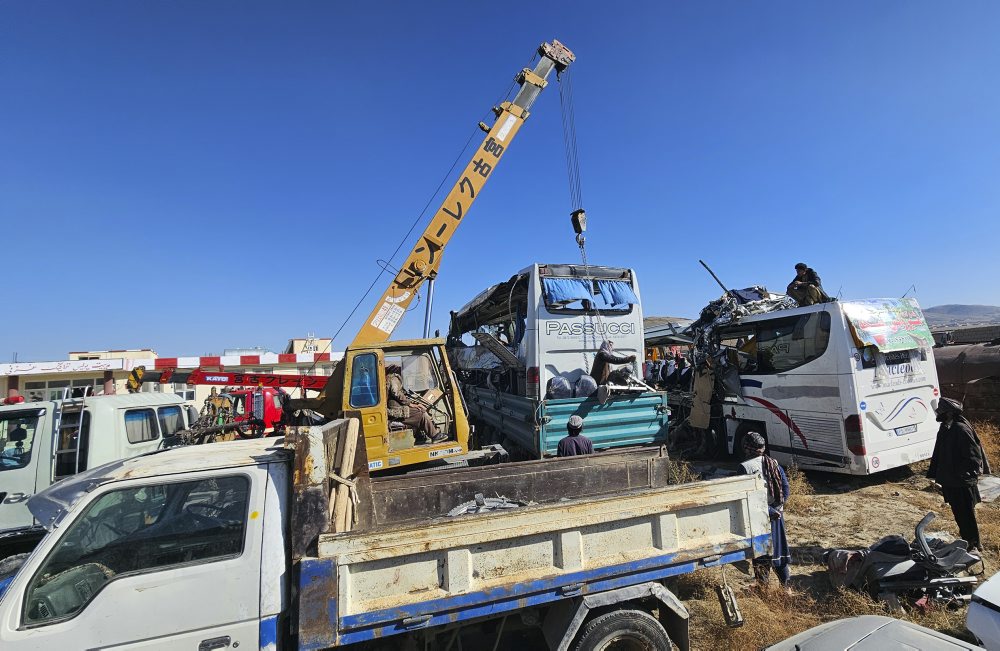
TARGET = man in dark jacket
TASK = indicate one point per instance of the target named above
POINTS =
(606, 356)
(957, 463)
(806, 287)
(574, 443)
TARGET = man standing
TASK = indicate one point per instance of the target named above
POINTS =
(758, 462)
(575, 443)
(956, 464)
(606, 356)
(806, 287)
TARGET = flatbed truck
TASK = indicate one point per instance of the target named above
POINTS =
(180, 549)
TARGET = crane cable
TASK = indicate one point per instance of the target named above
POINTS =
(569, 138)
(568, 114)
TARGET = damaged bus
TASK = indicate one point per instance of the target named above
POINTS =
(845, 387)
(525, 349)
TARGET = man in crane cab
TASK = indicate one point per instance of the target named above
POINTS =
(806, 287)
(409, 412)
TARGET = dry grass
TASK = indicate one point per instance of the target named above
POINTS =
(681, 472)
(989, 434)
(801, 491)
(771, 615)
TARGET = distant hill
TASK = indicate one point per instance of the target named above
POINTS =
(961, 315)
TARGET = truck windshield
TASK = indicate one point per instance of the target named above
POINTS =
(17, 435)
(137, 530)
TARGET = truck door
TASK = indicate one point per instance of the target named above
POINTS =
(365, 399)
(125, 571)
(23, 446)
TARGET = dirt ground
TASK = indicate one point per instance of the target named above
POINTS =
(828, 511)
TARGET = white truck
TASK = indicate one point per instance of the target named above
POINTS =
(44, 442)
(179, 549)
(542, 328)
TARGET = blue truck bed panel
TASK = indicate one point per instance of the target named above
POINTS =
(539, 425)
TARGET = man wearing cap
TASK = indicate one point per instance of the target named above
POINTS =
(575, 443)
(957, 463)
(806, 287)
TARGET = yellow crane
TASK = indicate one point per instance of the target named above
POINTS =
(358, 386)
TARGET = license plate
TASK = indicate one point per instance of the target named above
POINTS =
(903, 431)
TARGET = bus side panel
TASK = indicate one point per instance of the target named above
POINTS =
(817, 434)
(802, 409)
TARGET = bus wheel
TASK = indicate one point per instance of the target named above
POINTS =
(623, 629)
(741, 432)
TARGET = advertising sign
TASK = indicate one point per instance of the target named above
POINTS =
(889, 324)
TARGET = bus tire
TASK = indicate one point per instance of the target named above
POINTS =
(744, 428)
(623, 629)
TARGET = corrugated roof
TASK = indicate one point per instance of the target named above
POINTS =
(657, 321)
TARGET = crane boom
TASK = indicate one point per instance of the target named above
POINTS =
(425, 258)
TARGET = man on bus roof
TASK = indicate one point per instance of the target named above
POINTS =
(806, 287)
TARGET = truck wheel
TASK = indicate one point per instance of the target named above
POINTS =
(623, 630)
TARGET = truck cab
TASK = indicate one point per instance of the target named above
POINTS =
(44, 442)
(260, 408)
(140, 520)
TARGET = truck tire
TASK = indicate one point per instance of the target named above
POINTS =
(624, 629)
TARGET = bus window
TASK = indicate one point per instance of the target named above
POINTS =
(742, 348)
(785, 344)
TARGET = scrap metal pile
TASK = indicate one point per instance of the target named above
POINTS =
(928, 571)
(699, 430)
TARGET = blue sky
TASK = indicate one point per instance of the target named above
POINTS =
(192, 176)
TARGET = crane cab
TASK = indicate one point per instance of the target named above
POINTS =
(428, 381)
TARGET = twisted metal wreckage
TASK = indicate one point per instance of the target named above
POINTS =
(699, 431)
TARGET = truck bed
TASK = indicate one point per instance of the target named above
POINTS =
(539, 425)
(417, 496)
(373, 584)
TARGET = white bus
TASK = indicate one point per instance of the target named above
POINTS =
(543, 327)
(847, 387)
